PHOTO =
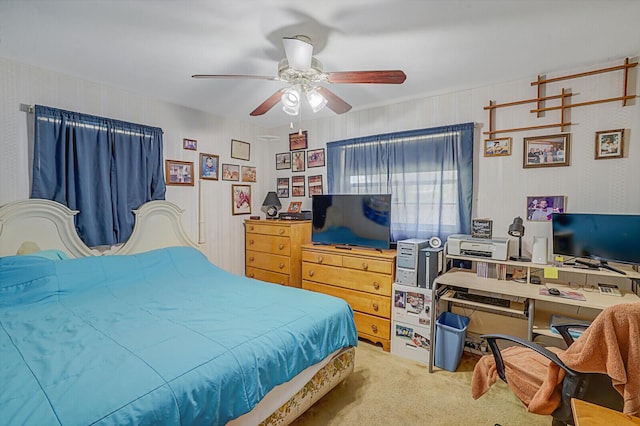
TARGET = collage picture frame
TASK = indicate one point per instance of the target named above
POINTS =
(179, 173)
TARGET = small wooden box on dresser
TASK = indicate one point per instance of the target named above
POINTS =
(273, 250)
(363, 277)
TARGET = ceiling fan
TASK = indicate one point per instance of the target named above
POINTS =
(304, 74)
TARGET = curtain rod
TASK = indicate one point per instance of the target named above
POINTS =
(27, 108)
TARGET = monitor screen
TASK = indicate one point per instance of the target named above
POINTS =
(354, 219)
(605, 237)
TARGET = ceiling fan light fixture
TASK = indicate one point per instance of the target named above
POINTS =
(316, 100)
(291, 101)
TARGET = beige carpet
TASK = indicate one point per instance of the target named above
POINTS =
(388, 390)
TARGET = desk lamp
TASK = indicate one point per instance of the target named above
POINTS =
(271, 205)
(516, 229)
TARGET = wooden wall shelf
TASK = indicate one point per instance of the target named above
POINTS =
(564, 97)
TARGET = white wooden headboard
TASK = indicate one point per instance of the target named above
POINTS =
(48, 225)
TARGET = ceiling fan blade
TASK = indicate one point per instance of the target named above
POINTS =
(334, 103)
(376, 77)
(299, 52)
(253, 77)
(268, 104)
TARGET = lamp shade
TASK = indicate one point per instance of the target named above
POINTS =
(291, 101)
(271, 204)
(316, 100)
(516, 229)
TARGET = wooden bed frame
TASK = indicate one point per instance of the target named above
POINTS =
(31, 225)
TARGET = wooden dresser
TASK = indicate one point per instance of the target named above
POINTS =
(273, 250)
(363, 277)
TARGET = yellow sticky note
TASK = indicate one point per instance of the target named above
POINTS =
(550, 272)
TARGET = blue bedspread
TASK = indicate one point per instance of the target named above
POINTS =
(163, 337)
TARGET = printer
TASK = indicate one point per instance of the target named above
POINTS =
(465, 245)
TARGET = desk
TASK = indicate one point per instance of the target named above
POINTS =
(524, 296)
(588, 414)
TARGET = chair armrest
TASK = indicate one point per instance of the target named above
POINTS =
(497, 356)
(563, 330)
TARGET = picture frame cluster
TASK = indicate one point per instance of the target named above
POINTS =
(555, 150)
(299, 159)
(182, 173)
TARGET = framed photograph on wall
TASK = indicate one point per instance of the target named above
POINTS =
(283, 161)
(248, 174)
(240, 199)
(297, 186)
(297, 140)
(240, 150)
(282, 186)
(209, 166)
(609, 144)
(540, 207)
(546, 151)
(315, 185)
(190, 144)
(297, 161)
(315, 158)
(231, 172)
(497, 147)
(178, 172)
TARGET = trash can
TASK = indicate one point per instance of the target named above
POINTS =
(451, 330)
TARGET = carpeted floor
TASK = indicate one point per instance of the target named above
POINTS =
(385, 389)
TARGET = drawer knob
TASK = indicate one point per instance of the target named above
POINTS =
(251, 258)
(281, 265)
(375, 306)
(311, 272)
(365, 266)
(250, 242)
(251, 228)
(281, 246)
(374, 328)
(376, 285)
(280, 231)
(320, 259)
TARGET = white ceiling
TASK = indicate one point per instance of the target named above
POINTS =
(152, 47)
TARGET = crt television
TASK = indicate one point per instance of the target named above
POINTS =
(603, 237)
(352, 219)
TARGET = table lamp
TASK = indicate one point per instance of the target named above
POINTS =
(516, 229)
(271, 205)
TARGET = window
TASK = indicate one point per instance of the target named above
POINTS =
(429, 173)
(100, 167)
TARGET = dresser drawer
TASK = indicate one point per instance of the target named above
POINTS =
(369, 282)
(268, 276)
(270, 262)
(371, 265)
(359, 301)
(372, 325)
(321, 258)
(268, 244)
(256, 228)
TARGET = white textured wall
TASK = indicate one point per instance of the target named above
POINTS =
(502, 183)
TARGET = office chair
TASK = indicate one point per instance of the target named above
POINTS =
(599, 367)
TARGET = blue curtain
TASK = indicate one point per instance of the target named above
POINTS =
(101, 167)
(429, 173)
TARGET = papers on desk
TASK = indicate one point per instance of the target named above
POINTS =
(567, 294)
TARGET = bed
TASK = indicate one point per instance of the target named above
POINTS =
(151, 332)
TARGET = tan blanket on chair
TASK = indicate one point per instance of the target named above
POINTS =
(611, 345)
